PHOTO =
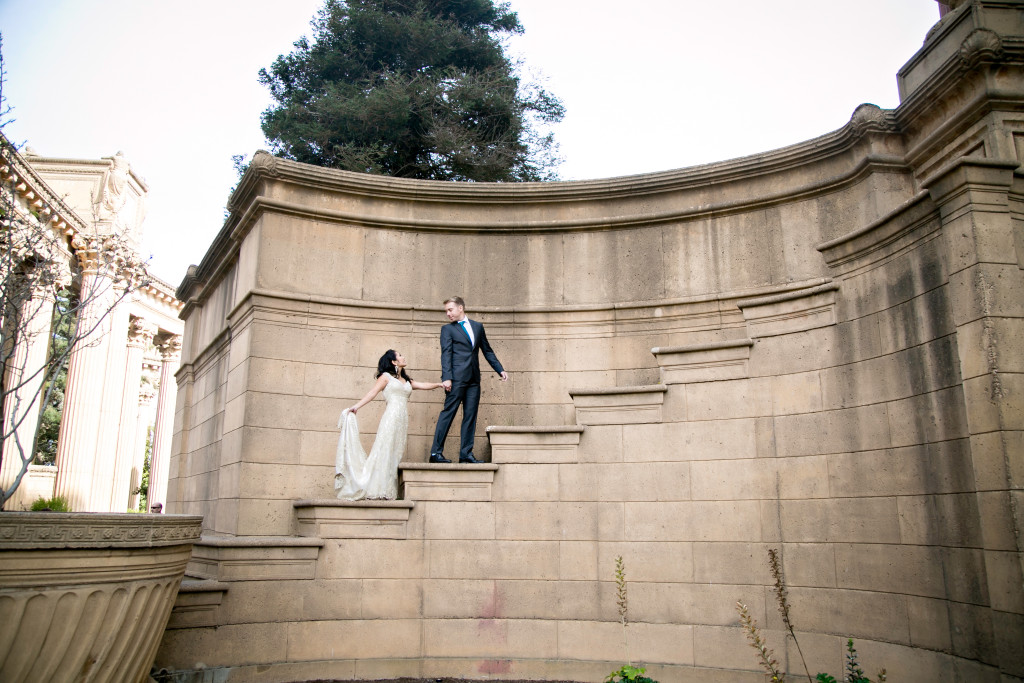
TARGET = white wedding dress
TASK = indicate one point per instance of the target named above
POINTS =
(358, 476)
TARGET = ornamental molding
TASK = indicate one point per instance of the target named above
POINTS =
(146, 394)
(26, 182)
(42, 530)
(982, 45)
(159, 291)
(169, 347)
(141, 333)
(798, 155)
(870, 118)
(958, 44)
(111, 256)
(264, 163)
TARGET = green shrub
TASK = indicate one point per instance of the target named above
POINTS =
(55, 504)
(635, 674)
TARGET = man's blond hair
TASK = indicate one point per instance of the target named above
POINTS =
(457, 300)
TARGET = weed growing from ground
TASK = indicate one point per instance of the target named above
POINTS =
(853, 673)
(628, 672)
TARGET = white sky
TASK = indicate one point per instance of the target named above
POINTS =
(648, 85)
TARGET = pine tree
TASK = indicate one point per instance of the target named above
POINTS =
(411, 88)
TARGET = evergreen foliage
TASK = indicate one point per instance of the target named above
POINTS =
(49, 421)
(143, 490)
(411, 88)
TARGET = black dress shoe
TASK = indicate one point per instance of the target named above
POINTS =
(469, 459)
(438, 458)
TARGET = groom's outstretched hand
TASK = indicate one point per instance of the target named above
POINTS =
(447, 384)
(504, 376)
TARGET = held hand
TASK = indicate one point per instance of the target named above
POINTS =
(504, 376)
(447, 384)
(353, 409)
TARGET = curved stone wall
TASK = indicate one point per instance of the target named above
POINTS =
(811, 349)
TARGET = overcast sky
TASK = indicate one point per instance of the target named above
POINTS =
(648, 85)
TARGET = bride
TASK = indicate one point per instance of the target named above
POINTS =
(358, 476)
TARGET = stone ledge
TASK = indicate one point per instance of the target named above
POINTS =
(254, 558)
(444, 481)
(890, 235)
(554, 444)
(331, 518)
(197, 604)
(792, 312)
(704, 362)
(619, 405)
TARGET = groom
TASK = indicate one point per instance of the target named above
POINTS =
(461, 340)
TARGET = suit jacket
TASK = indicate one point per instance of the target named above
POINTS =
(460, 359)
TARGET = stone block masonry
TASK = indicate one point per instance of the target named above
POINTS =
(814, 349)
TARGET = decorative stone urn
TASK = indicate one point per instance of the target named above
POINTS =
(86, 596)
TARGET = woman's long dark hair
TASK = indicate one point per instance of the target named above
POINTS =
(386, 365)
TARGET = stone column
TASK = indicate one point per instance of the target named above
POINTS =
(142, 425)
(79, 426)
(170, 352)
(104, 472)
(140, 335)
(25, 379)
(986, 292)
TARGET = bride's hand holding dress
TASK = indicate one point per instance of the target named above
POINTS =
(358, 476)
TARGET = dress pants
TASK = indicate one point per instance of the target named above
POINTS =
(468, 396)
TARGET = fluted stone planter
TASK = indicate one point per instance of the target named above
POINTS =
(86, 596)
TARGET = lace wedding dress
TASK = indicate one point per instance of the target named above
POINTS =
(358, 476)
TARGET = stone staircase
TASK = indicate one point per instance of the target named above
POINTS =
(217, 561)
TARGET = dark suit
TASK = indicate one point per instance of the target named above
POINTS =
(460, 363)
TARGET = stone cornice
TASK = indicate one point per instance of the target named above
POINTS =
(553, 429)
(850, 148)
(158, 290)
(697, 348)
(263, 204)
(867, 118)
(615, 391)
(403, 311)
(964, 41)
(90, 165)
(787, 296)
(19, 171)
(211, 541)
(880, 238)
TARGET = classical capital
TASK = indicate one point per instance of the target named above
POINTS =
(111, 256)
(169, 347)
(89, 251)
(146, 394)
(141, 333)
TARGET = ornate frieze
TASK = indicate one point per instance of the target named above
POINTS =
(20, 530)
